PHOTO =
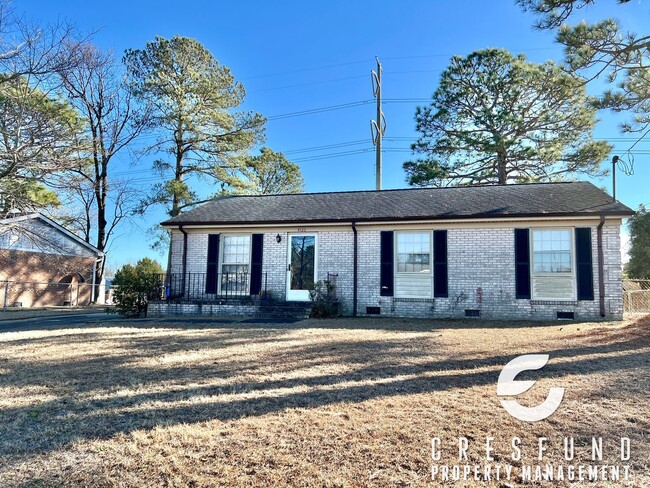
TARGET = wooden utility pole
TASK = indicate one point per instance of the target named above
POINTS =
(377, 127)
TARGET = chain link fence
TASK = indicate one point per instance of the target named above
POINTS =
(636, 296)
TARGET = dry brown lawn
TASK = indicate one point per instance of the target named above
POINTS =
(317, 403)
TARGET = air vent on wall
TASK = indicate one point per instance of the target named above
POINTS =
(566, 315)
(373, 310)
(472, 313)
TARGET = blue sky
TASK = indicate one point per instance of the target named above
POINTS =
(296, 56)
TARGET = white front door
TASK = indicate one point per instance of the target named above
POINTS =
(301, 266)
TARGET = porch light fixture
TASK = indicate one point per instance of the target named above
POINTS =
(278, 238)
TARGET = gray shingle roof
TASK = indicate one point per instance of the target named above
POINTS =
(525, 200)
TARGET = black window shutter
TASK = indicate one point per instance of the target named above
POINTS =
(256, 263)
(522, 263)
(440, 273)
(212, 273)
(584, 266)
(387, 259)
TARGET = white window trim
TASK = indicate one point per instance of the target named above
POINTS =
(222, 262)
(572, 274)
(411, 273)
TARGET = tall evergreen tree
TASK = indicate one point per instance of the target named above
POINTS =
(264, 174)
(604, 49)
(639, 265)
(496, 118)
(194, 101)
(39, 136)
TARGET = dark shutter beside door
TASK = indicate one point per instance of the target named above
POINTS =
(440, 273)
(584, 265)
(522, 263)
(212, 272)
(256, 263)
(386, 272)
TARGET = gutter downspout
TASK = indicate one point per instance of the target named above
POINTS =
(354, 271)
(184, 264)
(601, 266)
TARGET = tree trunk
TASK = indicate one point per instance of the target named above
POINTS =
(101, 190)
(178, 176)
(502, 168)
(178, 170)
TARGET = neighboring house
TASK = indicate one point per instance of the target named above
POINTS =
(530, 251)
(44, 264)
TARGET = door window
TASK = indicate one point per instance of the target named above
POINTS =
(303, 260)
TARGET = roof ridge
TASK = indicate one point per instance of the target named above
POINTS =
(459, 187)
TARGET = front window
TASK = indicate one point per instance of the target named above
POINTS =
(552, 251)
(235, 264)
(414, 252)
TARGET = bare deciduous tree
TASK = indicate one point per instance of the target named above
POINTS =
(95, 86)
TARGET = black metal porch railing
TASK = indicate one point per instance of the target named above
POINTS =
(208, 287)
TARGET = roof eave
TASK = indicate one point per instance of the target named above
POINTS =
(619, 214)
(56, 226)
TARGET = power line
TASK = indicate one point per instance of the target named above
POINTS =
(329, 146)
(414, 71)
(422, 56)
(333, 155)
(362, 61)
(394, 139)
(342, 106)
(406, 100)
(152, 173)
(302, 70)
(318, 110)
(319, 157)
(307, 84)
(158, 178)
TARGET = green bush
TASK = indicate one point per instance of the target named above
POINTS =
(639, 265)
(324, 301)
(136, 285)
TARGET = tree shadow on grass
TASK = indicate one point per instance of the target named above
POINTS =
(242, 322)
(102, 395)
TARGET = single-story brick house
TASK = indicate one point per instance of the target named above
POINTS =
(528, 251)
(44, 264)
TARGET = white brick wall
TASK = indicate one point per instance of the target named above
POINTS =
(274, 264)
(177, 252)
(481, 274)
(335, 256)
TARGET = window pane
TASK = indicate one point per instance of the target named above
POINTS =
(235, 255)
(552, 251)
(236, 250)
(303, 260)
(414, 252)
(234, 280)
